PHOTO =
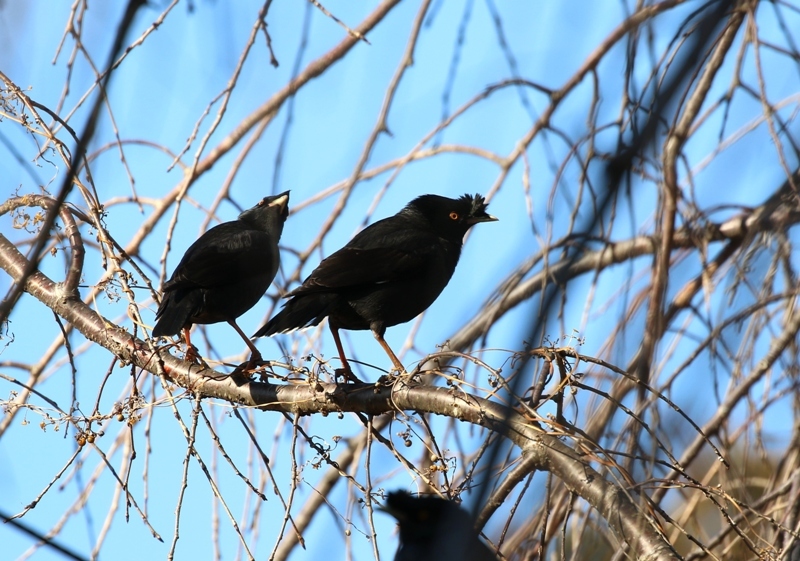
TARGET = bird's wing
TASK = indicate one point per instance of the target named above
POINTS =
(220, 256)
(354, 266)
(390, 249)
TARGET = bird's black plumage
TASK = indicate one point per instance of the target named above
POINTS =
(387, 274)
(225, 271)
(435, 529)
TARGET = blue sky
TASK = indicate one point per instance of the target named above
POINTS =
(159, 94)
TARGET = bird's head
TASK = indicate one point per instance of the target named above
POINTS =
(418, 517)
(451, 218)
(269, 214)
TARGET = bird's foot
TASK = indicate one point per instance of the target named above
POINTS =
(385, 381)
(193, 355)
(254, 362)
(241, 374)
(346, 374)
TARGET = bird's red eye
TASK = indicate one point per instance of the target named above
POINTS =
(453, 216)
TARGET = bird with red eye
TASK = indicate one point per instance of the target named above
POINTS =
(389, 273)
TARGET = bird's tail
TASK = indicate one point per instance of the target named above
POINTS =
(173, 313)
(297, 313)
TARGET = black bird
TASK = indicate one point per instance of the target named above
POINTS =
(387, 274)
(225, 272)
(435, 529)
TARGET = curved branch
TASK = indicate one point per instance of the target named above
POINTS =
(75, 269)
(546, 452)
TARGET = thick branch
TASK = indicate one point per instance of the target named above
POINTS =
(551, 454)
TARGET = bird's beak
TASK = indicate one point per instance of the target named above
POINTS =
(485, 218)
(280, 200)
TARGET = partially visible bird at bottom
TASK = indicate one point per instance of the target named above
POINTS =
(224, 273)
(389, 273)
(434, 529)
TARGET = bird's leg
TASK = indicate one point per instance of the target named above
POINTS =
(255, 355)
(348, 373)
(191, 352)
(397, 364)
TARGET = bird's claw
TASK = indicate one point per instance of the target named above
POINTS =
(346, 374)
(255, 362)
(386, 380)
(193, 356)
(241, 374)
